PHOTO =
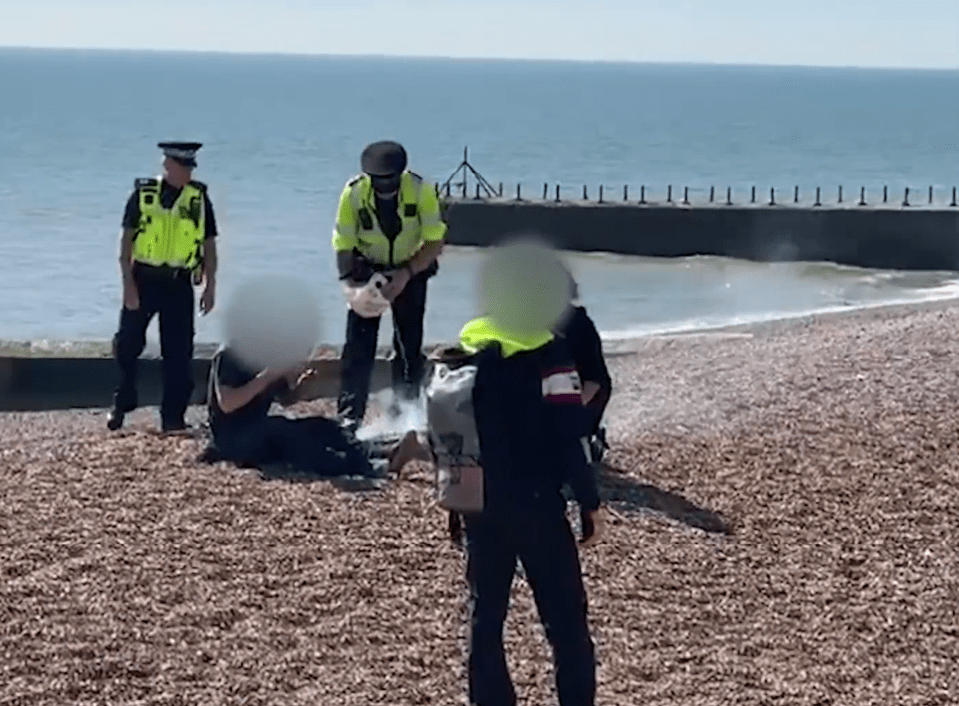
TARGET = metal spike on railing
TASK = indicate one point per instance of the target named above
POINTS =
(862, 196)
(818, 199)
(642, 194)
(905, 200)
(772, 196)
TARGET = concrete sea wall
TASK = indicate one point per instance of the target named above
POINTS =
(922, 237)
(84, 376)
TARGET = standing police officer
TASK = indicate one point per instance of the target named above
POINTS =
(388, 221)
(167, 245)
(529, 416)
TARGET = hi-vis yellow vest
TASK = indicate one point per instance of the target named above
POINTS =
(481, 332)
(174, 236)
(357, 226)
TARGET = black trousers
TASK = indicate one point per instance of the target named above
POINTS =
(169, 293)
(314, 445)
(544, 542)
(359, 351)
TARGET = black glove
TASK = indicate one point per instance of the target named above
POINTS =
(361, 271)
(586, 524)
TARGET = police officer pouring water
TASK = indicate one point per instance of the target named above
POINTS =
(388, 221)
(167, 246)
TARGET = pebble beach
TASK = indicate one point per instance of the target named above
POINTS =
(783, 506)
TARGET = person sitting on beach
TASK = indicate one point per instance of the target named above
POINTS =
(244, 431)
(586, 346)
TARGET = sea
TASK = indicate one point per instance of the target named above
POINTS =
(282, 134)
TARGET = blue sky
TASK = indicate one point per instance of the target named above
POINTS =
(881, 33)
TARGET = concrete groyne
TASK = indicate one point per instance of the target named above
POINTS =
(903, 237)
(888, 229)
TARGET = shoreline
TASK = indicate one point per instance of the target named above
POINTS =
(614, 344)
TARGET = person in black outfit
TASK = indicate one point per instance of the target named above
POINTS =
(529, 420)
(164, 252)
(244, 431)
(586, 347)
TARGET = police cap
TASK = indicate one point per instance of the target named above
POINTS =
(386, 158)
(182, 152)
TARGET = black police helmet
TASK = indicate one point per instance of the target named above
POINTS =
(386, 159)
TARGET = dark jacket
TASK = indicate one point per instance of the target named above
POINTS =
(586, 347)
(529, 437)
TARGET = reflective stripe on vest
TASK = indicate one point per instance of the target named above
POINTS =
(173, 236)
(372, 242)
(481, 332)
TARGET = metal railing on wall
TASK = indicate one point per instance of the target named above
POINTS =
(687, 197)
(563, 193)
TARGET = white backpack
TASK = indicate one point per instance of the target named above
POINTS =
(453, 437)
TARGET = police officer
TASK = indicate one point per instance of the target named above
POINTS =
(529, 418)
(167, 245)
(388, 221)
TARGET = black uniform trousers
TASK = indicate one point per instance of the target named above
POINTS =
(543, 540)
(359, 351)
(168, 292)
(314, 445)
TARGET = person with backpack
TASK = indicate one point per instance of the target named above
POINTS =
(506, 418)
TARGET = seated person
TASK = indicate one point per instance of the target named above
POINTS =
(244, 431)
(584, 341)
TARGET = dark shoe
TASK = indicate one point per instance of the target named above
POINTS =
(173, 425)
(115, 419)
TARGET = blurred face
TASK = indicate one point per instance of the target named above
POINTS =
(175, 173)
(386, 186)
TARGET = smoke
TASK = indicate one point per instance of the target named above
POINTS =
(400, 416)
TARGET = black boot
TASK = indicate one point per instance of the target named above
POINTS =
(169, 425)
(115, 419)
